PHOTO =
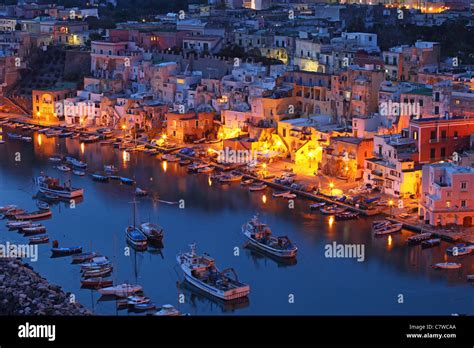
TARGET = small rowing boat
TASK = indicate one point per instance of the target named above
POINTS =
(99, 177)
(257, 187)
(317, 206)
(447, 265)
(122, 290)
(99, 282)
(387, 229)
(430, 243)
(153, 233)
(33, 230)
(36, 215)
(418, 238)
(127, 181)
(140, 193)
(39, 239)
(79, 172)
(63, 168)
(42, 205)
(17, 225)
(80, 258)
(57, 251)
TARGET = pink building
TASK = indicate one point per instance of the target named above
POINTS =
(447, 195)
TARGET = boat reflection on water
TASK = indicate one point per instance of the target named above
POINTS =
(256, 255)
(197, 298)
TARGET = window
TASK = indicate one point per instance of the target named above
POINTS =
(463, 204)
(415, 135)
(284, 132)
(433, 135)
(455, 134)
(432, 153)
(443, 152)
(437, 97)
(420, 102)
(464, 186)
(436, 110)
(448, 204)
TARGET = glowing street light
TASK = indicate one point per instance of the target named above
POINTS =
(390, 203)
(331, 186)
(310, 155)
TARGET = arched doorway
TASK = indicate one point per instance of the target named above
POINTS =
(467, 221)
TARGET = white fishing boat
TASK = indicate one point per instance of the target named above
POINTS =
(447, 265)
(110, 168)
(63, 168)
(140, 192)
(260, 236)
(17, 225)
(200, 271)
(7, 208)
(79, 172)
(167, 310)
(50, 185)
(122, 290)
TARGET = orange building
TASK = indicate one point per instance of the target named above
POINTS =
(189, 126)
(45, 102)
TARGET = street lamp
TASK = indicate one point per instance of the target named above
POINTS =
(331, 186)
(390, 203)
(264, 166)
(310, 155)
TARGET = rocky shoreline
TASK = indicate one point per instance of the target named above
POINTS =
(25, 292)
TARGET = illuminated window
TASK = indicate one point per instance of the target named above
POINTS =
(448, 204)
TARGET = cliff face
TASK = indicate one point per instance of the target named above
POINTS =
(24, 292)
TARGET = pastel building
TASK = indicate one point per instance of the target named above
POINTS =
(447, 195)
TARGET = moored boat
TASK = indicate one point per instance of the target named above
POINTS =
(80, 258)
(387, 229)
(42, 205)
(430, 243)
(260, 236)
(99, 282)
(447, 265)
(317, 206)
(39, 239)
(331, 209)
(63, 168)
(36, 215)
(140, 192)
(66, 251)
(170, 158)
(347, 215)
(153, 232)
(16, 225)
(79, 172)
(167, 310)
(122, 290)
(99, 177)
(52, 186)
(127, 181)
(98, 273)
(257, 187)
(33, 230)
(418, 238)
(200, 271)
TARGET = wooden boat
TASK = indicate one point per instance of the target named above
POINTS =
(153, 233)
(80, 258)
(205, 170)
(347, 215)
(14, 136)
(7, 208)
(79, 172)
(122, 290)
(90, 139)
(230, 178)
(52, 186)
(99, 177)
(136, 238)
(44, 130)
(387, 229)
(257, 187)
(170, 158)
(259, 235)
(10, 214)
(55, 159)
(39, 239)
(280, 193)
(40, 214)
(57, 251)
(193, 168)
(33, 230)
(127, 181)
(430, 243)
(317, 206)
(200, 271)
(418, 238)
(185, 162)
(96, 262)
(332, 209)
(97, 273)
(42, 205)
(110, 168)
(76, 163)
(447, 265)
(99, 282)
(17, 225)
(167, 310)
(142, 307)
(140, 193)
(63, 168)
(27, 139)
(65, 134)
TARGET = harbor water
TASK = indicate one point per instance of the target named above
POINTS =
(392, 279)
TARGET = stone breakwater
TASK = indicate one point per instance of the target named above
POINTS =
(24, 292)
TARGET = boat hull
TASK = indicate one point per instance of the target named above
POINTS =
(270, 250)
(63, 194)
(223, 295)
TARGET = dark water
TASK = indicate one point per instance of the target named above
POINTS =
(212, 217)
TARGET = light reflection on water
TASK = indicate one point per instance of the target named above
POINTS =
(212, 217)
